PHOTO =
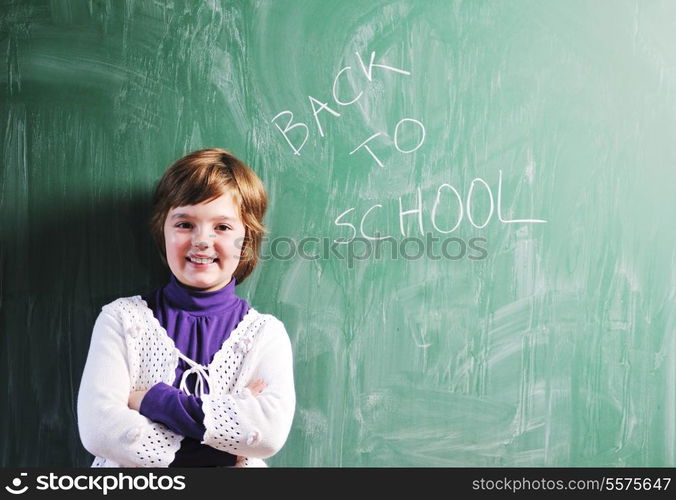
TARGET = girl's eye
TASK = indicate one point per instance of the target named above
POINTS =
(184, 225)
(222, 227)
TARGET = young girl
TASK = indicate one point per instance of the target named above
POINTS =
(190, 375)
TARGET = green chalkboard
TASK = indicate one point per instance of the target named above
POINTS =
(469, 230)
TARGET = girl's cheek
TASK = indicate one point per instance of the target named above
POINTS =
(178, 238)
(229, 247)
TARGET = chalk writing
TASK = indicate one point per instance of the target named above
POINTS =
(318, 106)
(464, 209)
(409, 136)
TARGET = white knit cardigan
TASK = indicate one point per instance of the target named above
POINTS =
(130, 351)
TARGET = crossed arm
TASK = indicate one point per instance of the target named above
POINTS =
(111, 426)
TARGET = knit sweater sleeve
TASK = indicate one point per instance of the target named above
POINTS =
(108, 428)
(255, 426)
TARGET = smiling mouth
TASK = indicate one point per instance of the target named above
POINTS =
(196, 260)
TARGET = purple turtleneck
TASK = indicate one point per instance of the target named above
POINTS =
(198, 323)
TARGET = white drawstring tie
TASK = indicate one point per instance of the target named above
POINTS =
(197, 369)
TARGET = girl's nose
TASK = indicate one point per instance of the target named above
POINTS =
(199, 238)
(202, 245)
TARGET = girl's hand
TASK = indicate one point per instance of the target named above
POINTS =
(135, 399)
(256, 386)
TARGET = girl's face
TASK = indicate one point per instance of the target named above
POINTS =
(203, 242)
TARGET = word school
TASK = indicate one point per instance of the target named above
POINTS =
(445, 192)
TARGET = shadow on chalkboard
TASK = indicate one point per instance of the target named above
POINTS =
(97, 249)
(61, 260)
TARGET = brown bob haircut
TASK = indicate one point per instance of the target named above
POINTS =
(203, 176)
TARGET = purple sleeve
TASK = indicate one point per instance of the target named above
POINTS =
(172, 407)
